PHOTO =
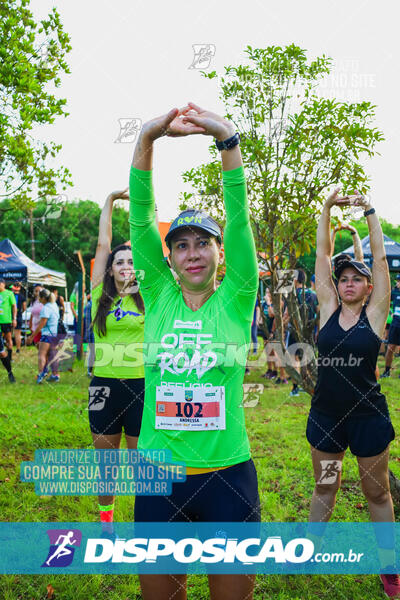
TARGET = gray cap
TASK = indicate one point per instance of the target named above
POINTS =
(343, 261)
(194, 219)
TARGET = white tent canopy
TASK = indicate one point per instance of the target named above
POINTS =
(16, 266)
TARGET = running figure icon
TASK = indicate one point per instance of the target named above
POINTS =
(62, 549)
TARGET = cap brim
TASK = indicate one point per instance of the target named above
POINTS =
(172, 233)
(351, 265)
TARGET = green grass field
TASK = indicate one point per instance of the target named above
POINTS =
(55, 416)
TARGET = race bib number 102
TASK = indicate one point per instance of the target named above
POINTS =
(198, 409)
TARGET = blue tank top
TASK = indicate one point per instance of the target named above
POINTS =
(346, 382)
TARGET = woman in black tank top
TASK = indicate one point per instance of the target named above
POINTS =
(348, 408)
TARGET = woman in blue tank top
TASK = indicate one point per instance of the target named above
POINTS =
(348, 408)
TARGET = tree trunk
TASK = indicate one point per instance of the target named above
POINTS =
(32, 234)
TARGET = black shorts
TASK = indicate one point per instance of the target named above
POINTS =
(394, 335)
(6, 327)
(366, 435)
(228, 495)
(19, 322)
(2, 348)
(115, 404)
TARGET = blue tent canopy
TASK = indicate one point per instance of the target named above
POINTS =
(392, 250)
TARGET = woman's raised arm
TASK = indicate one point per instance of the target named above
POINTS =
(240, 253)
(325, 288)
(105, 236)
(145, 238)
(379, 304)
(358, 251)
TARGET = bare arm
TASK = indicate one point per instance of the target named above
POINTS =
(379, 304)
(39, 327)
(325, 288)
(358, 251)
(105, 236)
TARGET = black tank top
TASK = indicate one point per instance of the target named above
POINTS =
(346, 383)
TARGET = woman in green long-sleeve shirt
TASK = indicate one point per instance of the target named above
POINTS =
(197, 336)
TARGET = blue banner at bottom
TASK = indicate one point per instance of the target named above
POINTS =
(212, 548)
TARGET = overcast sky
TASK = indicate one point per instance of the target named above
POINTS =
(131, 59)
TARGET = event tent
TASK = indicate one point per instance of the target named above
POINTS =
(16, 266)
(392, 250)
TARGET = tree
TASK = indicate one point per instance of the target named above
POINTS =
(75, 226)
(32, 57)
(294, 145)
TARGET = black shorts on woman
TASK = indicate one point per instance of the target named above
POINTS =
(348, 408)
(115, 404)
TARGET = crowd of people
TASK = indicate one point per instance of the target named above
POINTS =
(183, 396)
(44, 328)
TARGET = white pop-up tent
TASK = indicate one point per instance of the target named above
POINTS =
(16, 266)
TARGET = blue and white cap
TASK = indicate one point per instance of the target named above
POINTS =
(194, 219)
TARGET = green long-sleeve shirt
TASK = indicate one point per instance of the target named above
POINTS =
(195, 360)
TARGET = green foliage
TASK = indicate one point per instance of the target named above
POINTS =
(294, 146)
(56, 239)
(32, 58)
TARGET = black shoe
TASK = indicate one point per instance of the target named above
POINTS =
(11, 377)
(17, 351)
(385, 374)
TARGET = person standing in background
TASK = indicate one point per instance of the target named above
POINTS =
(88, 335)
(5, 354)
(20, 299)
(35, 308)
(8, 315)
(48, 326)
(74, 305)
(59, 302)
(117, 324)
(394, 330)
